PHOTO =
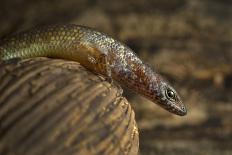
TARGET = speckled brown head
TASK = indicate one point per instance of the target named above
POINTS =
(152, 86)
(169, 99)
(162, 93)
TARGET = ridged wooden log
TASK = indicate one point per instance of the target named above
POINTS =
(57, 107)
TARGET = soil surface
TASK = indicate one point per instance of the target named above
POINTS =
(188, 41)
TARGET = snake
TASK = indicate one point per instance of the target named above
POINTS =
(99, 53)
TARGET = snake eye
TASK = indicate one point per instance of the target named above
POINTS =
(170, 95)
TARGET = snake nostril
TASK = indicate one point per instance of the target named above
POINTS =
(184, 110)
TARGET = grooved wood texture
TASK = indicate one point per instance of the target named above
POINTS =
(50, 106)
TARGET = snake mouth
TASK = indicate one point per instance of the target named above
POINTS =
(178, 110)
(182, 111)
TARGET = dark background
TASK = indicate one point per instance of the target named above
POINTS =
(188, 41)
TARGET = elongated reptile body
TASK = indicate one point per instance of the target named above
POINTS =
(99, 53)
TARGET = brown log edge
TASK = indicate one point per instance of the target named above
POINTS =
(57, 107)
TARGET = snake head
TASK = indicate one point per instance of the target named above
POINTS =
(155, 88)
(159, 91)
(170, 100)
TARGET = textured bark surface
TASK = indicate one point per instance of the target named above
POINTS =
(58, 107)
(188, 41)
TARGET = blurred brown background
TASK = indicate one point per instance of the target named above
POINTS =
(188, 41)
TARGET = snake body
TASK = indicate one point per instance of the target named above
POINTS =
(97, 52)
